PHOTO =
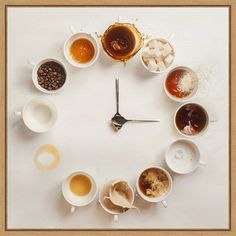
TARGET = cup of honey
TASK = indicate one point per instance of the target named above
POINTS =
(81, 50)
(79, 189)
(121, 41)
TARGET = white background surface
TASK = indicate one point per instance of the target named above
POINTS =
(83, 134)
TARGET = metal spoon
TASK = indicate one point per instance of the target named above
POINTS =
(118, 120)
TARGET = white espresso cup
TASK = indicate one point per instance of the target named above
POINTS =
(75, 36)
(39, 114)
(205, 128)
(75, 200)
(163, 196)
(35, 74)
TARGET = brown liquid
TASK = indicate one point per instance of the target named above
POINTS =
(80, 185)
(153, 182)
(191, 115)
(82, 50)
(119, 42)
(172, 83)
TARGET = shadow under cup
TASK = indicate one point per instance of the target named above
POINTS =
(191, 119)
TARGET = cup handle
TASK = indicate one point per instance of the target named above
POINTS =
(116, 218)
(72, 29)
(164, 203)
(202, 163)
(31, 63)
(18, 113)
(72, 209)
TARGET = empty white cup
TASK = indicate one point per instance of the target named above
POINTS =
(39, 114)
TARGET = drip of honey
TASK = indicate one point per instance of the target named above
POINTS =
(80, 185)
(82, 50)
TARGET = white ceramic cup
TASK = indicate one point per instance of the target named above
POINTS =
(39, 114)
(183, 156)
(74, 200)
(163, 196)
(69, 42)
(208, 120)
(107, 205)
(145, 45)
(35, 75)
(191, 95)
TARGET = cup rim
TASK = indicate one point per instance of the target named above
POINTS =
(64, 183)
(145, 44)
(35, 79)
(48, 102)
(185, 99)
(192, 143)
(78, 35)
(155, 199)
(201, 132)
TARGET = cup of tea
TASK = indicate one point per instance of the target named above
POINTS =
(192, 120)
(181, 84)
(183, 156)
(154, 184)
(39, 114)
(79, 189)
(81, 49)
(114, 205)
(49, 75)
(121, 41)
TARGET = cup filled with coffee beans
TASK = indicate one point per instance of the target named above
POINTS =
(49, 75)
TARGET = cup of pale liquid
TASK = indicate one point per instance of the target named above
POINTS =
(79, 189)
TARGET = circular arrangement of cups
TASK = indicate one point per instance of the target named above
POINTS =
(74, 200)
(202, 131)
(73, 38)
(163, 196)
(191, 95)
(141, 53)
(35, 74)
(39, 114)
(183, 156)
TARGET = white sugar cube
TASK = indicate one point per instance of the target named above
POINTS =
(166, 49)
(146, 52)
(161, 66)
(159, 59)
(169, 59)
(158, 53)
(152, 44)
(152, 66)
(145, 60)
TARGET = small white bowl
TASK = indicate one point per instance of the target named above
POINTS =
(141, 54)
(183, 156)
(73, 38)
(191, 95)
(35, 75)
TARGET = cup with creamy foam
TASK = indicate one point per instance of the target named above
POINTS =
(79, 189)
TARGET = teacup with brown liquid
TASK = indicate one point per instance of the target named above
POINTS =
(79, 189)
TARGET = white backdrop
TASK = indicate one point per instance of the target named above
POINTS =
(83, 134)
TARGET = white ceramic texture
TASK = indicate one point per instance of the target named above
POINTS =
(73, 38)
(79, 201)
(35, 76)
(39, 114)
(182, 156)
(83, 134)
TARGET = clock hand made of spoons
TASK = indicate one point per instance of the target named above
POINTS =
(118, 120)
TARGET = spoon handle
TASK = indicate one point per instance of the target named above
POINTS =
(157, 120)
(117, 94)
